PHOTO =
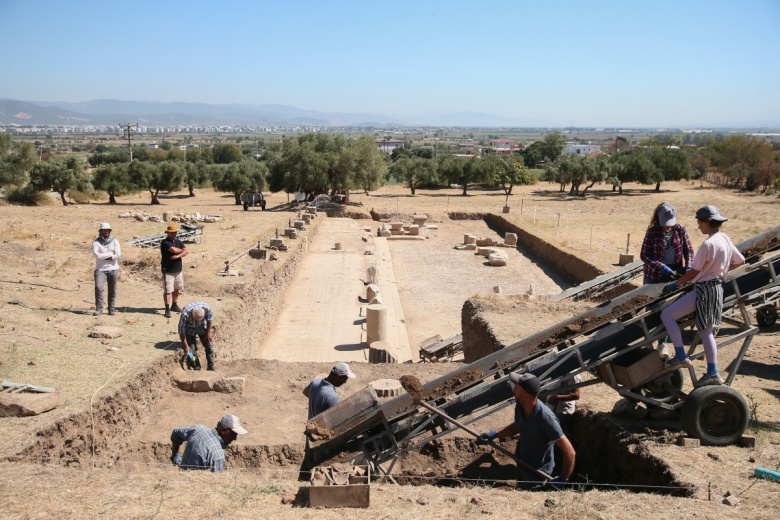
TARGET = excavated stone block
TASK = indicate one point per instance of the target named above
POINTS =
(748, 441)
(380, 352)
(498, 258)
(386, 387)
(25, 405)
(471, 247)
(196, 381)
(102, 331)
(688, 442)
(229, 385)
(510, 239)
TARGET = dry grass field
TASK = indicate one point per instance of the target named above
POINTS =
(46, 311)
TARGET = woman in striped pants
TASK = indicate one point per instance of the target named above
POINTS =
(716, 257)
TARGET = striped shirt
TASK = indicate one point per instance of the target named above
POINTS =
(204, 448)
(187, 325)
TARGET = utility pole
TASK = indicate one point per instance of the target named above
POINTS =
(128, 130)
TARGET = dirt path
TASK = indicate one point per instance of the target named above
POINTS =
(323, 318)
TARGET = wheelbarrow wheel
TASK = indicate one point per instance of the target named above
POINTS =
(766, 316)
(717, 415)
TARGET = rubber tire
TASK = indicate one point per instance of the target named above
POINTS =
(716, 414)
(766, 316)
(659, 394)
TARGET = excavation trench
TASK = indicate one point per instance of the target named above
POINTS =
(126, 426)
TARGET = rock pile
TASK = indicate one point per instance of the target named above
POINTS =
(171, 216)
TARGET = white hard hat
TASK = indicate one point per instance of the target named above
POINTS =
(105, 225)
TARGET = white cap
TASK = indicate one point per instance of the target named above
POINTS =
(342, 369)
(231, 422)
(105, 225)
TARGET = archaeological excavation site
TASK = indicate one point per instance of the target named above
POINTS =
(456, 301)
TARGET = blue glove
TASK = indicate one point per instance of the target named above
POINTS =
(687, 269)
(176, 459)
(486, 437)
(558, 483)
(671, 286)
(666, 271)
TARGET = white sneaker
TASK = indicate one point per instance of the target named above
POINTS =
(674, 363)
(709, 379)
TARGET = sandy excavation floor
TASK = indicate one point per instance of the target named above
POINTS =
(431, 278)
(46, 287)
(326, 292)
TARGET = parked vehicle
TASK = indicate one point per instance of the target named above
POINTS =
(251, 199)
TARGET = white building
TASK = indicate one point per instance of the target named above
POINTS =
(579, 149)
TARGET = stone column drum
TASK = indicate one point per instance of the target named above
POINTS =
(372, 291)
(376, 323)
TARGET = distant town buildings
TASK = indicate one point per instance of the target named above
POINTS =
(579, 149)
(387, 145)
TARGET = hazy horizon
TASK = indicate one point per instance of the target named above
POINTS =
(695, 64)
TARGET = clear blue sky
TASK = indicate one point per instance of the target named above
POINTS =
(605, 63)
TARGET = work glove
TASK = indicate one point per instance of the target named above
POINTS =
(687, 269)
(486, 437)
(558, 483)
(176, 459)
(671, 286)
(666, 271)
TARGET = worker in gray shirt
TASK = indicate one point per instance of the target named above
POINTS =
(322, 392)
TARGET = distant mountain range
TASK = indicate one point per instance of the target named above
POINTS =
(113, 112)
(154, 113)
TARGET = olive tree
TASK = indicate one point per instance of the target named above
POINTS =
(237, 177)
(60, 176)
(114, 179)
(414, 172)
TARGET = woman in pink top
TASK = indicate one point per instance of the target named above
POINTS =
(716, 257)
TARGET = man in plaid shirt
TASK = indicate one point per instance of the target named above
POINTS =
(205, 445)
(195, 321)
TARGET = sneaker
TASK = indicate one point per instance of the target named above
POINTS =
(709, 379)
(663, 351)
(674, 363)
(211, 368)
(175, 307)
(97, 313)
(167, 313)
(111, 312)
